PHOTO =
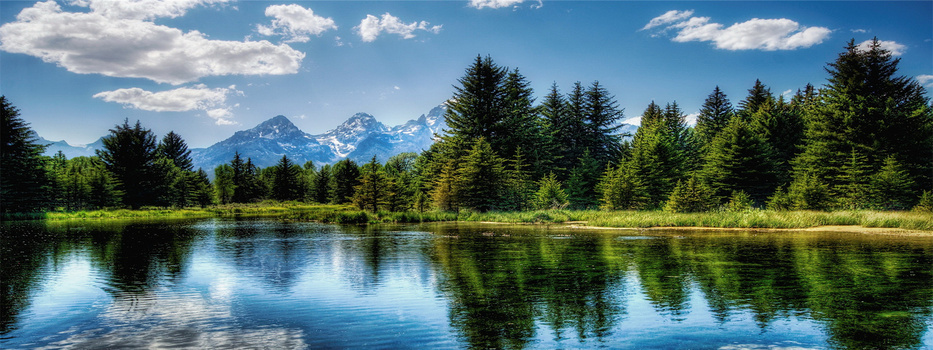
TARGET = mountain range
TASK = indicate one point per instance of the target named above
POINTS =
(358, 138)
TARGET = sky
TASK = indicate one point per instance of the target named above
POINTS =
(208, 68)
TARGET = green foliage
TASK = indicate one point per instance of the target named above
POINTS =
(482, 178)
(866, 106)
(446, 188)
(321, 185)
(621, 189)
(853, 182)
(807, 192)
(583, 181)
(476, 109)
(759, 96)
(346, 176)
(130, 154)
(891, 188)
(714, 116)
(518, 185)
(287, 184)
(925, 205)
(739, 160)
(690, 196)
(174, 148)
(24, 183)
(246, 182)
(654, 162)
(550, 194)
(223, 183)
(375, 188)
(739, 201)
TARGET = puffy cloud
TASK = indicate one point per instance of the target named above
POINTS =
(925, 80)
(198, 97)
(894, 48)
(495, 4)
(295, 23)
(668, 17)
(371, 26)
(105, 43)
(143, 9)
(754, 34)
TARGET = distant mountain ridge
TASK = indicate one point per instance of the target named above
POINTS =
(70, 151)
(359, 138)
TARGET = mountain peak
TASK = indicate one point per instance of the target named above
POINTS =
(279, 120)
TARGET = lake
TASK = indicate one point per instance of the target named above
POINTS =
(265, 283)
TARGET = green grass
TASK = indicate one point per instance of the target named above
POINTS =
(345, 214)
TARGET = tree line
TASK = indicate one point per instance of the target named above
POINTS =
(862, 141)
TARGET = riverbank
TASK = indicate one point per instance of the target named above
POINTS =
(344, 214)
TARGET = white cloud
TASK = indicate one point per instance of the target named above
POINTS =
(143, 9)
(104, 43)
(371, 26)
(925, 80)
(859, 31)
(633, 121)
(668, 17)
(754, 34)
(295, 23)
(895, 48)
(495, 4)
(197, 97)
(691, 119)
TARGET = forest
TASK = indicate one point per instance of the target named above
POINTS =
(864, 140)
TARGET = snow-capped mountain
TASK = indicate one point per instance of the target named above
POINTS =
(358, 138)
(264, 145)
(70, 151)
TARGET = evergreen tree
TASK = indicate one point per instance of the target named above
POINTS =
(445, 191)
(23, 180)
(481, 178)
(575, 128)
(518, 190)
(557, 137)
(654, 160)
(286, 183)
(867, 107)
(519, 126)
(583, 181)
(601, 121)
(346, 176)
(550, 194)
(925, 205)
(690, 196)
(374, 190)
(477, 107)
(891, 188)
(714, 115)
(223, 183)
(852, 184)
(130, 154)
(401, 170)
(620, 189)
(758, 96)
(173, 147)
(201, 194)
(781, 127)
(321, 185)
(739, 160)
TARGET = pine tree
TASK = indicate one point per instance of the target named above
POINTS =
(739, 160)
(201, 194)
(321, 185)
(852, 184)
(690, 196)
(23, 180)
(550, 194)
(601, 121)
(445, 191)
(346, 176)
(620, 189)
(173, 147)
(758, 96)
(714, 115)
(557, 136)
(582, 182)
(654, 160)
(481, 178)
(891, 188)
(223, 183)
(477, 107)
(866, 106)
(130, 154)
(781, 126)
(286, 184)
(374, 190)
(518, 185)
(519, 126)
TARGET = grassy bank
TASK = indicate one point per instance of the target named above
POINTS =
(595, 218)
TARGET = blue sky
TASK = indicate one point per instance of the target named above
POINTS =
(207, 68)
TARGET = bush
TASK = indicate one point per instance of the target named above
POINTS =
(740, 201)
(690, 197)
(926, 203)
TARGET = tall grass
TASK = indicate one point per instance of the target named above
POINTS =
(345, 214)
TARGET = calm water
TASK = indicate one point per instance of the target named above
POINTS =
(270, 284)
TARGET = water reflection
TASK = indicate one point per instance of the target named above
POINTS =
(273, 284)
